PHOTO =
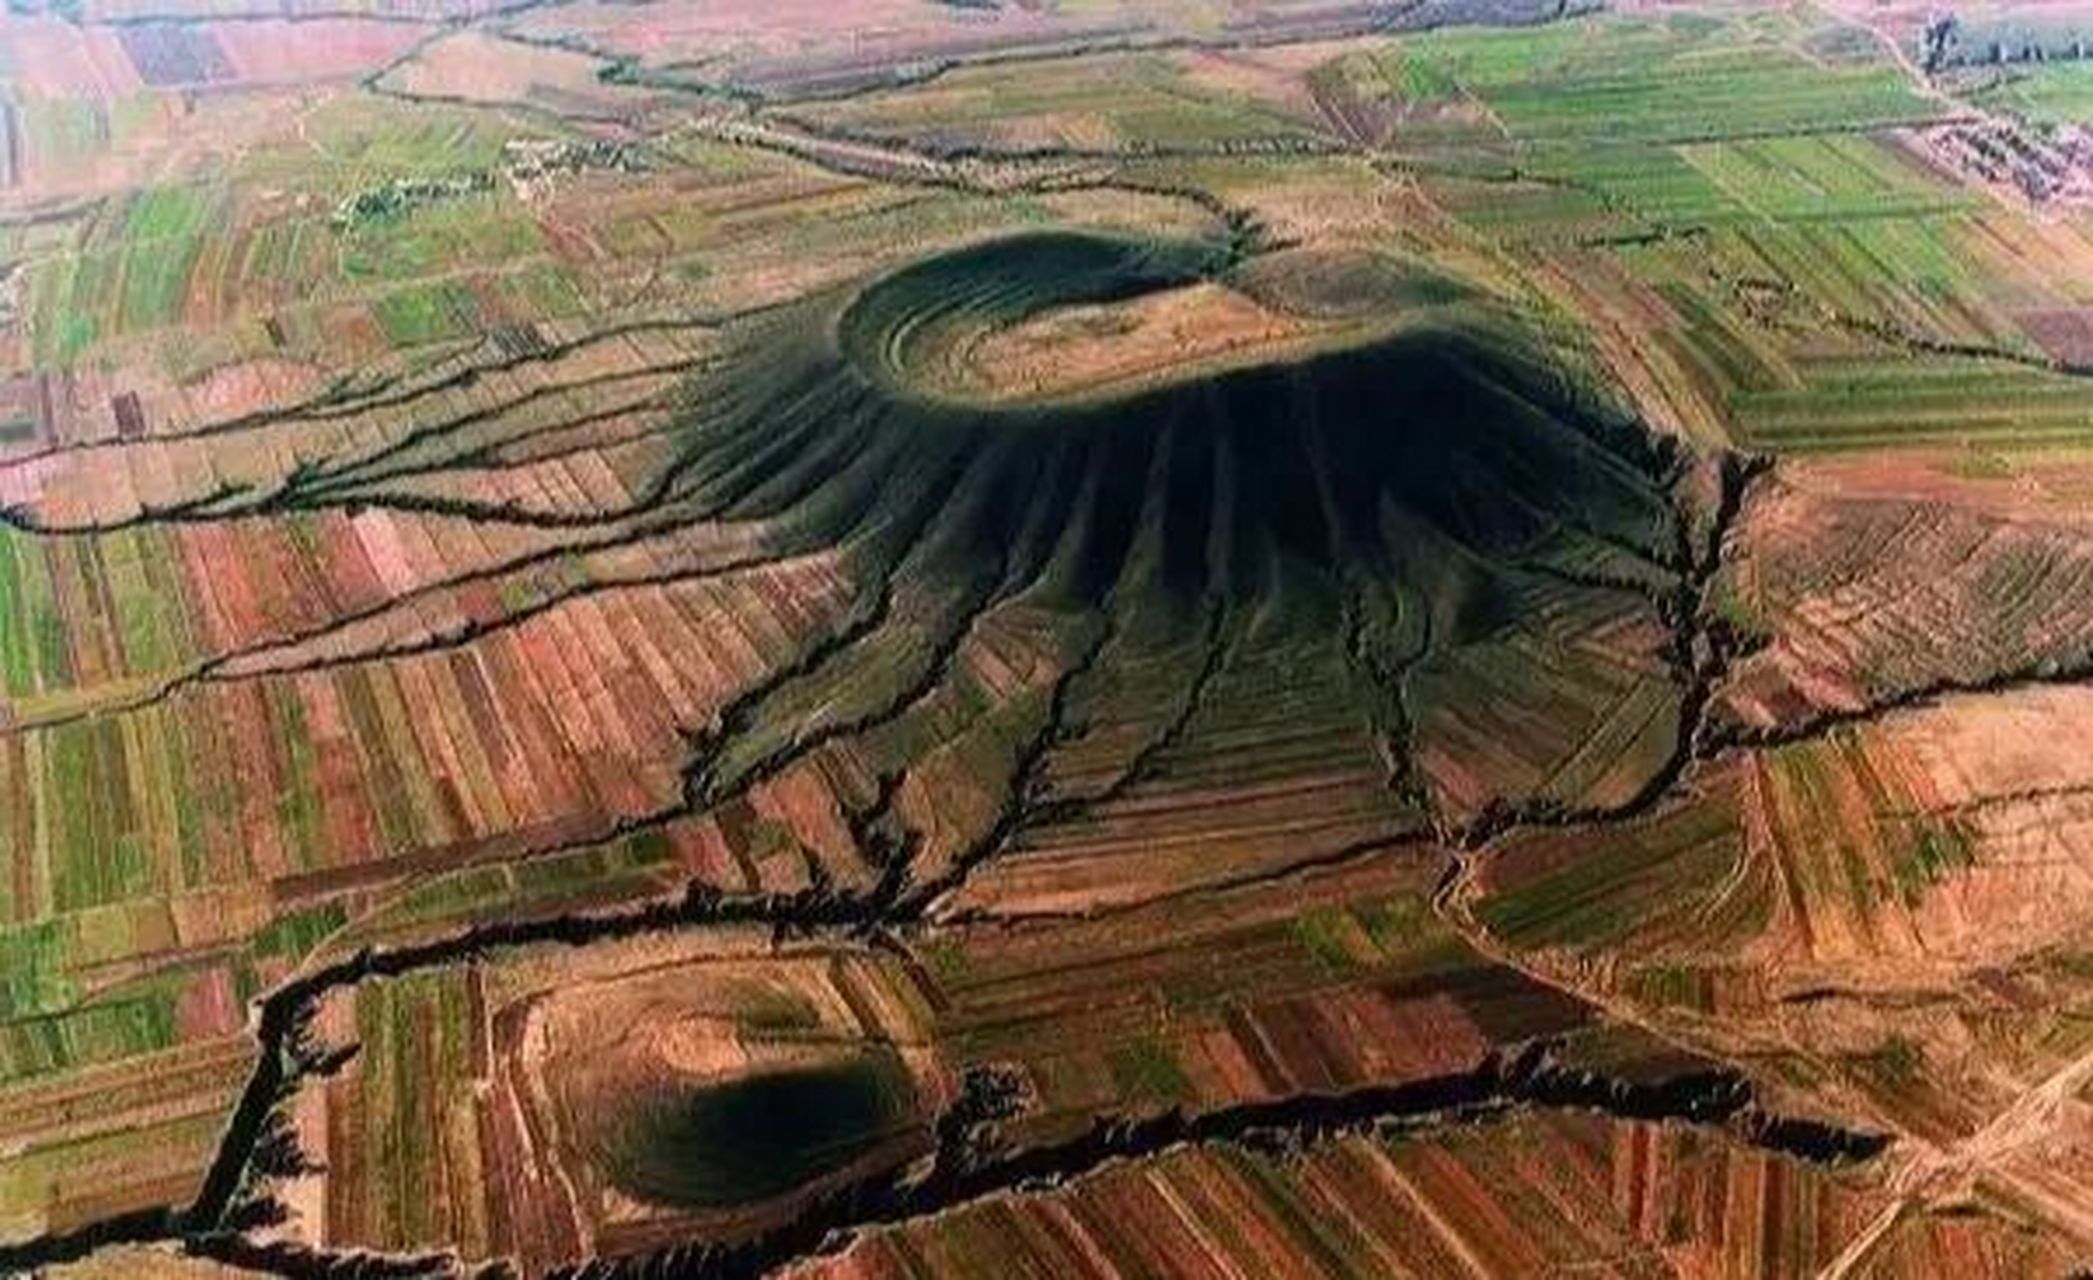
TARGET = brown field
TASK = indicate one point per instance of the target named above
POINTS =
(471, 67)
(1571, 1194)
(1879, 581)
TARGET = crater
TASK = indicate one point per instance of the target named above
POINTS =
(1061, 317)
(749, 1138)
(708, 1086)
(1409, 501)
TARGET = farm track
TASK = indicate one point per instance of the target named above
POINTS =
(1927, 1173)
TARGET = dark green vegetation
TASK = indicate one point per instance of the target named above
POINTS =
(1447, 437)
(711, 1146)
(1436, 495)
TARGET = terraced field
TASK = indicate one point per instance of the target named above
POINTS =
(900, 639)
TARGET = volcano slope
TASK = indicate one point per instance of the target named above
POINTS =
(1181, 632)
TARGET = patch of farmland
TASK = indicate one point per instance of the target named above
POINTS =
(2066, 333)
(1375, 101)
(322, 777)
(1899, 402)
(1681, 884)
(430, 270)
(1531, 1195)
(2050, 93)
(1573, 706)
(316, 457)
(1796, 293)
(804, 47)
(1966, 816)
(1871, 583)
(1876, 402)
(1275, 76)
(1889, 918)
(1907, 277)
(52, 59)
(308, 50)
(802, 51)
(91, 402)
(1208, 766)
(1325, 983)
(106, 619)
(359, 140)
(2031, 262)
(22, 411)
(81, 148)
(87, 1140)
(174, 54)
(1808, 292)
(471, 66)
(78, 614)
(133, 276)
(1129, 101)
(1681, 78)
(1820, 177)
(1678, 381)
(1947, 835)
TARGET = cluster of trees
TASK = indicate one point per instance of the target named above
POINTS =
(1949, 42)
(528, 160)
(397, 197)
